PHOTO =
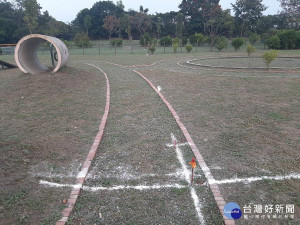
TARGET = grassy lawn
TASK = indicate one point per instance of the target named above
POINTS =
(244, 124)
(47, 124)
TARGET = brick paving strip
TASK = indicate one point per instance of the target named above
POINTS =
(214, 187)
(88, 161)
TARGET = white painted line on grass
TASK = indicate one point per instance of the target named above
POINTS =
(187, 175)
(139, 187)
(179, 145)
(253, 179)
(51, 184)
(115, 188)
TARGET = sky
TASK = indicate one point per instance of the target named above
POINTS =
(66, 10)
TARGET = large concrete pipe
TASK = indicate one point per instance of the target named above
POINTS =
(26, 53)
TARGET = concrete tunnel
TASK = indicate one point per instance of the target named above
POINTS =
(26, 54)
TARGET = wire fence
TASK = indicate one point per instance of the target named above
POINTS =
(105, 48)
(124, 49)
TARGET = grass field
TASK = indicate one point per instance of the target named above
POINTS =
(245, 124)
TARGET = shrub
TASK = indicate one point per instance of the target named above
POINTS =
(152, 48)
(116, 42)
(250, 49)
(82, 40)
(188, 48)
(221, 43)
(165, 41)
(288, 39)
(175, 47)
(269, 57)
(273, 42)
(237, 43)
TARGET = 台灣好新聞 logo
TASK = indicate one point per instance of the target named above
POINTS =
(232, 211)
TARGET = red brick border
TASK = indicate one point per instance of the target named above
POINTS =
(214, 187)
(87, 163)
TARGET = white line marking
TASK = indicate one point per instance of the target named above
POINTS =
(187, 175)
(252, 179)
(139, 187)
(115, 188)
(179, 145)
(51, 184)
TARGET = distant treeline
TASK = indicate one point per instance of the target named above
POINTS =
(106, 20)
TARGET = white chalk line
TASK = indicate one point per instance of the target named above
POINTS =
(141, 187)
(253, 179)
(114, 188)
(179, 145)
(187, 175)
(126, 176)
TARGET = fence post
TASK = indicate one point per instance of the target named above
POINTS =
(197, 46)
(83, 50)
(131, 50)
(99, 48)
(164, 47)
(115, 48)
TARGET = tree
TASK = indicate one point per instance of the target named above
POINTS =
(126, 25)
(98, 13)
(158, 26)
(291, 8)
(179, 25)
(217, 22)
(247, 12)
(141, 22)
(111, 23)
(32, 11)
(167, 23)
(197, 11)
(206, 16)
(8, 23)
(79, 20)
(82, 40)
(87, 23)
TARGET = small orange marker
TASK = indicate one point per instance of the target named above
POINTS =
(193, 164)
